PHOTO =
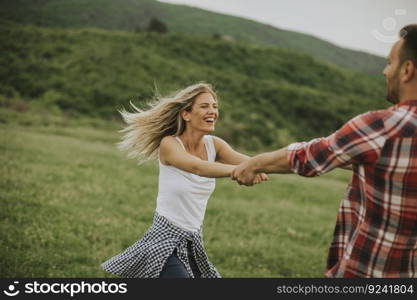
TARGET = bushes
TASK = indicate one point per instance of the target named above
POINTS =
(156, 25)
(268, 96)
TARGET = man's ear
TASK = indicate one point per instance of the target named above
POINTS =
(409, 71)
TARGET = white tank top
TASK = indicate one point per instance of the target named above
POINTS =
(182, 196)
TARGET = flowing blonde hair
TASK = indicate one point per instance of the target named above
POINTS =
(162, 117)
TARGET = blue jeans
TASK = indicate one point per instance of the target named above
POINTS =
(174, 268)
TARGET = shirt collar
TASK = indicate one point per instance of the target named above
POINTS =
(407, 102)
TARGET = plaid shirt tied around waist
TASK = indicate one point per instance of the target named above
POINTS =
(147, 256)
(376, 227)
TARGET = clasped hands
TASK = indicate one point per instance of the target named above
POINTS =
(245, 174)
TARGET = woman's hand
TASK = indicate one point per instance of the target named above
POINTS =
(259, 178)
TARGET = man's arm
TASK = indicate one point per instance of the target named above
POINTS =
(271, 162)
(347, 167)
(359, 141)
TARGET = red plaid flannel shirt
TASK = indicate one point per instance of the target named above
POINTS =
(376, 227)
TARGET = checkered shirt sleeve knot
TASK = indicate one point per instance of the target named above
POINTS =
(147, 256)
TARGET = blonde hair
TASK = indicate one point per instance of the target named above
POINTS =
(162, 117)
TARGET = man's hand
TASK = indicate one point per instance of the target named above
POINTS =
(271, 162)
(260, 177)
(245, 174)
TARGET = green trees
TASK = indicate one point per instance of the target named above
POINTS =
(156, 25)
(134, 16)
(268, 96)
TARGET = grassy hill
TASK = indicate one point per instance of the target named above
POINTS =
(269, 96)
(69, 201)
(132, 15)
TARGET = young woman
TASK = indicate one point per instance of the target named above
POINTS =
(175, 129)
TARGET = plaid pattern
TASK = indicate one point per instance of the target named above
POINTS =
(147, 256)
(376, 227)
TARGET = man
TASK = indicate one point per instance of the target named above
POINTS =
(376, 228)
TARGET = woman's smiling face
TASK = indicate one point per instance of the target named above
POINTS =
(204, 113)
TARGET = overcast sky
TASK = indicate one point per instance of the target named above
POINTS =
(368, 25)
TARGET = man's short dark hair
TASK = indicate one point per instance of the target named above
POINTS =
(408, 50)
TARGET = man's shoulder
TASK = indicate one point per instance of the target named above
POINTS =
(375, 114)
(372, 117)
(383, 120)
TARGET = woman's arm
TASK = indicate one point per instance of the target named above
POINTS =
(171, 153)
(227, 155)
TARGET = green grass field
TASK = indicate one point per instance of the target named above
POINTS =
(70, 200)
